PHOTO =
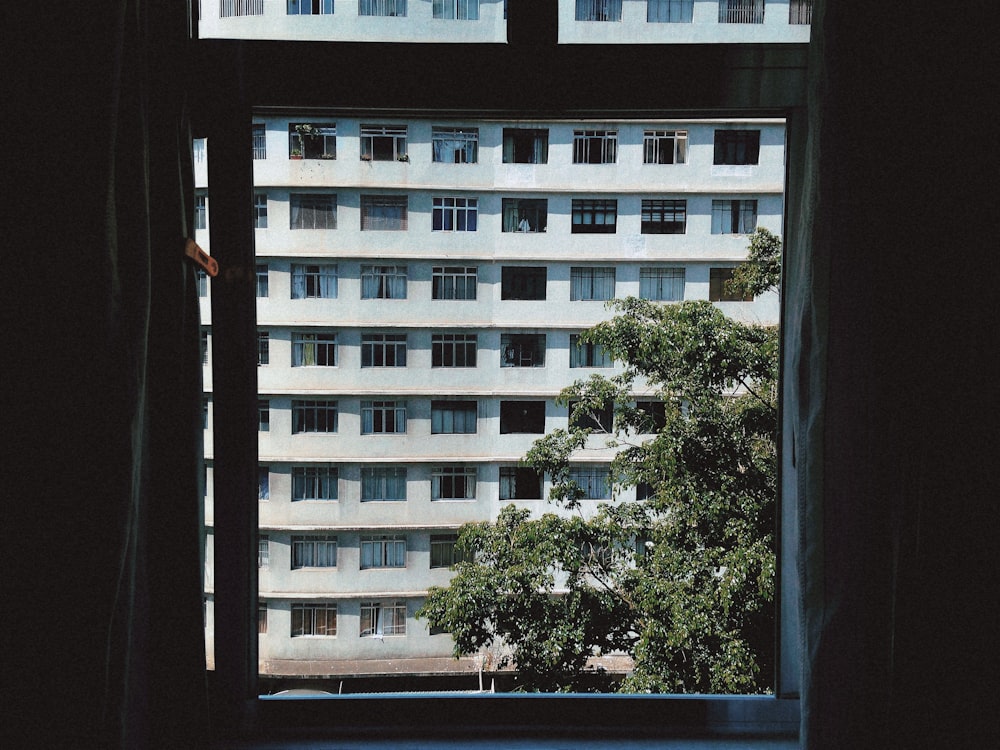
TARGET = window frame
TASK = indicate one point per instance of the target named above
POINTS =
(594, 216)
(589, 283)
(383, 350)
(315, 483)
(656, 278)
(442, 343)
(595, 146)
(452, 416)
(522, 349)
(454, 217)
(654, 213)
(317, 542)
(318, 346)
(301, 408)
(383, 413)
(377, 611)
(451, 475)
(468, 138)
(314, 610)
(314, 280)
(383, 281)
(390, 481)
(382, 556)
(312, 211)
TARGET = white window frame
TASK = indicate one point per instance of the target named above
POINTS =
(312, 211)
(660, 214)
(233, 8)
(453, 417)
(454, 214)
(313, 551)
(444, 552)
(522, 349)
(383, 417)
(315, 620)
(461, 144)
(313, 482)
(263, 348)
(447, 480)
(734, 215)
(380, 619)
(594, 216)
(595, 146)
(741, 11)
(381, 483)
(669, 11)
(662, 283)
(384, 142)
(314, 281)
(260, 211)
(263, 415)
(509, 478)
(380, 551)
(664, 147)
(587, 354)
(383, 350)
(599, 10)
(258, 134)
(454, 282)
(593, 480)
(310, 414)
(262, 281)
(310, 7)
(263, 551)
(314, 349)
(591, 283)
(383, 281)
(454, 349)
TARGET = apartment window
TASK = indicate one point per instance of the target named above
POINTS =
(718, 289)
(741, 11)
(455, 145)
(201, 278)
(310, 7)
(453, 483)
(260, 211)
(522, 282)
(520, 483)
(453, 417)
(737, 147)
(594, 216)
(378, 619)
(314, 281)
(453, 350)
(662, 284)
(204, 347)
(309, 141)
(455, 214)
(200, 211)
(204, 413)
(525, 146)
(230, 8)
(263, 551)
(734, 216)
(261, 618)
(313, 211)
(314, 416)
(586, 354)
(598, 10)
(385, 551)
(591, 283)
(525, 214)
(383, 213)
(383, 350)
(654, 416)
(383, 142)
(263, 483)
(263, 415)
(591, 419)
(595, 146)
(664, 147)
(315, 483)
(669, 11)
(314, 349)
(593, 480)
(262, 280)
(383, 417)
(522, 350)
(259, 137)
(525, 417)
(314, 619)
(454, 282)
(381, 483)
(663, 216)
(800, 12)
(445, 551)
(263, 348)
(314, 552)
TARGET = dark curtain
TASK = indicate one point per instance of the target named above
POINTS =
(102, 574)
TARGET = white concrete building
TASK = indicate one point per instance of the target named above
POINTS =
(420, 285)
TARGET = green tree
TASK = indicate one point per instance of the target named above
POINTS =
(682, 580)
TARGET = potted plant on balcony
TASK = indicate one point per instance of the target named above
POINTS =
(295, 154)
(304, 130)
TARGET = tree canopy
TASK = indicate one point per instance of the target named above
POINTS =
(677, 569)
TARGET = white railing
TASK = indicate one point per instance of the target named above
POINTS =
(228, 8)
(800, 12)
(741, 11)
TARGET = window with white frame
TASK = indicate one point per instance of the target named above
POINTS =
(383, 483)
(317, 619)
(455, 145)
(520, 483)
(263, 348)
(718, 287)
(383, 551)
(383, 213)
(734, 216)
(260, 211)
(231, 8)
(314, 281)
(595, 146)
(741, 11)
(308, 140)
(454, 282)
(383, 417)
(263, 415)
(261, 618)
(737, 147)
(594, 216)
(263, 551)
(522, 417)
(453, 350)
(312, 211)
(453, 417)
(587, 354)
(310, 7)
(525, 214)
(591, 283)
(383, 350)
(315, 483)
(525, 145)
(259, 136)
(200, 211)
(453, 483)
(586, 418)
(663, 216)
(261, 280)
(458, 10)
(669, 11)
(455, 214)
(445, 551)
(522, 350)
(204, 413)
(201, 279)
(314, 349)
(263, 483)
(662, 284)
(382, 618)
(664, 147)
(311, 415)
(800, 12)
(314, 551)
(383, 142)
(383, 282)
(653, 416)
(593, 480)
(522, 282)
(598, 10)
